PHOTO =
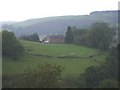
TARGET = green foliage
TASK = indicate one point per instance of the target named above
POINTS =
(103, 75)
(91, 77)
(69, 36)
(112, 63)
(109, 83)
(45, 76)
(10, 45)
(32, 37)
(101, 35)
(79, 35)
(118, 33)
(118, 47)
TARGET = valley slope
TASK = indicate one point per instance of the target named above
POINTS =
(58, 25)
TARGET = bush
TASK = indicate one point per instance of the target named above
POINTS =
(92, 77)
(109, 83)
(45, 76)
(104, 76)
(10, 45)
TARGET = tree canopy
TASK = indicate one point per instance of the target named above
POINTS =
(31, 37)
(100, 35)
(11, 47)
(69, 35)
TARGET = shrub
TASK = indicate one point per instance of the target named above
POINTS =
(109, 83)
(10, 45)
(45, 76)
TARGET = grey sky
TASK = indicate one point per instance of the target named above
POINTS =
(18, 10)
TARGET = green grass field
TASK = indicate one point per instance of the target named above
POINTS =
(73, 66)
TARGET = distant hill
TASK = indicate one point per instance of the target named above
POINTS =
(6, 23)
(58, 25)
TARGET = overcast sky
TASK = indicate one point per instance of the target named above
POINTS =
(19, 10)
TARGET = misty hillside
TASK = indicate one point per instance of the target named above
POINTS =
(58, 25)
(6, 22)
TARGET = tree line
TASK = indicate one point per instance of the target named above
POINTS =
(32, 37)
(99, 35)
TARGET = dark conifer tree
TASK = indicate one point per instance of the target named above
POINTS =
(69, 36)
